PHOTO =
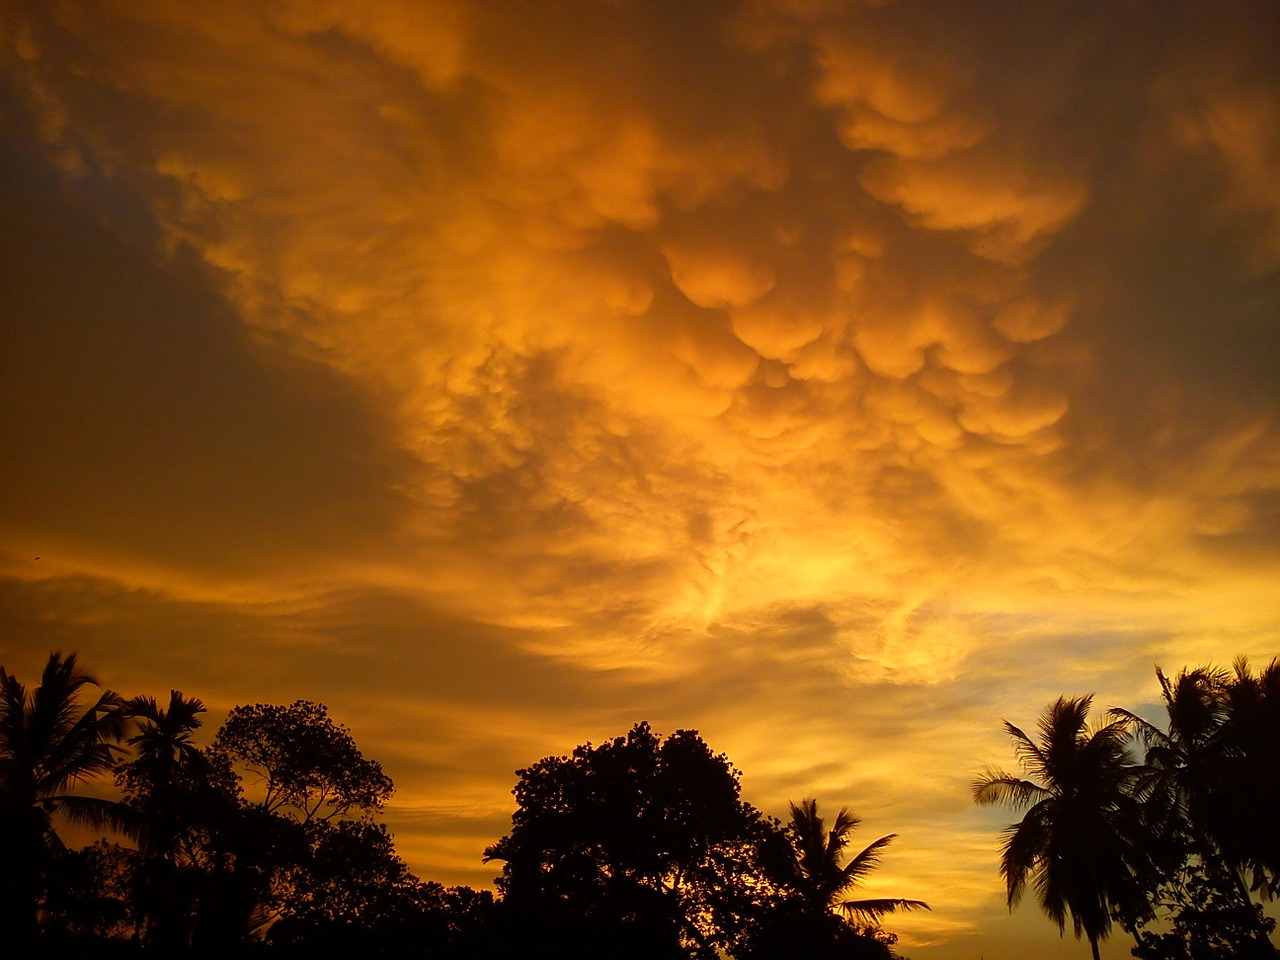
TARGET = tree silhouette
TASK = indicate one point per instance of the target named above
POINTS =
(822, 880)
(1201, 917)
(1243, 820)
(48, 744)
(351, 888)
(308, 766)
(1180, 763)
(157, 779)
(165, 737)
(1081, 842)
(90, 901)
(187, 806)
(1208, 787)
(637, 847)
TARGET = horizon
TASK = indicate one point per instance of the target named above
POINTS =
(1017, 935)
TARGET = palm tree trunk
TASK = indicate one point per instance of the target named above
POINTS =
(1093, 945)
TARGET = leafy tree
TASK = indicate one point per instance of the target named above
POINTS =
(309, 767)
(216, 870)
(90, 899)
(332, 876)
(638, 847)
(49, 743)
(1199, 916)
(349, 886)
(1081, 843)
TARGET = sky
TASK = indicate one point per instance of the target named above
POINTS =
(838, 379)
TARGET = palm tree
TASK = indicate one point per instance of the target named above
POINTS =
(163, 784)
(1202, 784)
(1080, 843)
(47, 745)
(158, 782)
(821, 879)
(1179, 761)
(1179, 782)
(165, 734)
(1208, 784)
(1245, 824)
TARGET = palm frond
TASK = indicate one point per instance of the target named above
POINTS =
(817, 854)
(1025, 847)
(874, 910)
(1146, 732)
(1051, 891)
(838, 836)
(997, 788)
(165, 734)
(1030, 757)
(95, 812)
(864, 862)
(1062, 728)
(13, 701)
(48, 743)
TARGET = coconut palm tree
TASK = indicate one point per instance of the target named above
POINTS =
(157, 782)
(48, 744)
(1244, 822)
(1204, 788)
(1179, 784)
(822, 880)
(1180, 760)
(165, 737)
(167, 784)
(1081, 843)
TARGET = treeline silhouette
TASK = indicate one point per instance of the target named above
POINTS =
(267, 843)
(1172, 833)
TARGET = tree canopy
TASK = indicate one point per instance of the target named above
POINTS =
(268, 841)
(307, 766)
(644, 837)
(1169, 831)
(48, 743)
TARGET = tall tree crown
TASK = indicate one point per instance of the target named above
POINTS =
(1081, 842)
(823, 879)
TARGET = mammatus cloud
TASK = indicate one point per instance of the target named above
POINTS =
(804, 364)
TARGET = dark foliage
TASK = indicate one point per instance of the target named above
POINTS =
(1082, 843)
(48, 744)
(1176, 846)
(794, 930)
(1205, 919)
(1208, 788)
(267, 843)
(308, 767)
(813, 916)
(639, 844)
(821, 879)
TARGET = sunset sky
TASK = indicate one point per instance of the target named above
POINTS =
(835, 378)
